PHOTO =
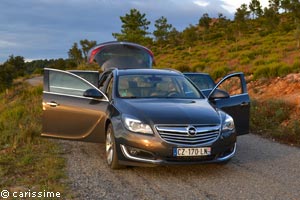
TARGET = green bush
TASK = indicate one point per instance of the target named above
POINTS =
(259, 62)
(249, 54)
(272, 70)
(296, 66)
(183, 68)
(199, 67)
(244, 61)
(267, 116)
(219, 72)
(271, 119)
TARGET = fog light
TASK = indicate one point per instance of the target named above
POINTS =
(133, 151)
(139, 153)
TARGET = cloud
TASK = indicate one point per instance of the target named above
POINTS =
(201, 3)
(7, 44)
(232, 5)
(48, 28)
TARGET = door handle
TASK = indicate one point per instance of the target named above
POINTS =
(52, 104)
(244, 104)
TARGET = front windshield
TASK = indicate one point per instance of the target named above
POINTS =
(156, 86)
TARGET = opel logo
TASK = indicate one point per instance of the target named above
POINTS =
(191, 131)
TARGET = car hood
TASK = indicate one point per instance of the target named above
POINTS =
(170, 111)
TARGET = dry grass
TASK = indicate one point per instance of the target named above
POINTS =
(27, 162)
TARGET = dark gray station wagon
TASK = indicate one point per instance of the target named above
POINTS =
(144, 116)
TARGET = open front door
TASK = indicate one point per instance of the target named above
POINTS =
(237, 104)
(73, 108)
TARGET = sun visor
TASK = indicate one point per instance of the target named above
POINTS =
(121, 55)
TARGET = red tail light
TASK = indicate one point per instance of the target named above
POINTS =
(93, 54)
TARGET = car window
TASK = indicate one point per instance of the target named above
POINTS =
(156, 86)
(232, 86)
(202, 81)
(109, 89)
(65, 83)
(128, 56)
(90, 76)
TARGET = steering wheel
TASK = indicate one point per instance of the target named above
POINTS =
(173, 94)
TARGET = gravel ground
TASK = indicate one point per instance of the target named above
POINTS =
(35, 81)
(261, 169)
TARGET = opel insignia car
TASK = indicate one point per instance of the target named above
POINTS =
(144, 116)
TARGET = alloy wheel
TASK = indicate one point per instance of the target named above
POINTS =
(109, 146)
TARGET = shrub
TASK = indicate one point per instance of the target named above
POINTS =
(272, 118)
(296, 66)
(244, 61)
(259, 62)
(267, 116)
(220, 72)
(199, 67)
(272, 70)
(183, 68)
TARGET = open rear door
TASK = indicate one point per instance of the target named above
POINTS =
(238, 103)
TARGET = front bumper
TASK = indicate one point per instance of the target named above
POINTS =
(215, 159)
(148, 150)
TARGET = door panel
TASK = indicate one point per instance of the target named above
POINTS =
(238, 104)
(239, 108)
(69, 115)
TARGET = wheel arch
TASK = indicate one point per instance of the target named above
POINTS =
(108, 121)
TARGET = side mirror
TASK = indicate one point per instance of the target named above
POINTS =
(219, 94)
(93, 93)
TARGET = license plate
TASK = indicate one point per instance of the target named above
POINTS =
(204, 151)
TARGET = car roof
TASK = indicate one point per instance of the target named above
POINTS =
(147, 71)
(192, 73)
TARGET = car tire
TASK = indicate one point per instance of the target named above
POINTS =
(111, 150)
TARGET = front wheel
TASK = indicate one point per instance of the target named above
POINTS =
(111, 150)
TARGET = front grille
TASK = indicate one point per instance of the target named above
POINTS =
(180, 134)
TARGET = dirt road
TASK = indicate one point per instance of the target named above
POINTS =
(261, 169)
(35, 81)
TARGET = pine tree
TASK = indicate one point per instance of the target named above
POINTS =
(255, 8)
(204, 22)
(240, 17)
(162, 31)
(75, 54)
(134, 29)
(286, 5)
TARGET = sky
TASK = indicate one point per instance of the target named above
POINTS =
(47, 29)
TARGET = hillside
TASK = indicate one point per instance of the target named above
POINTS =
(261, 56)
(285, 88)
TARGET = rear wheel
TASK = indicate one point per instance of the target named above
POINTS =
(111, 150)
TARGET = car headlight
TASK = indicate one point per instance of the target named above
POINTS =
(228, 123)
(136, 125)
